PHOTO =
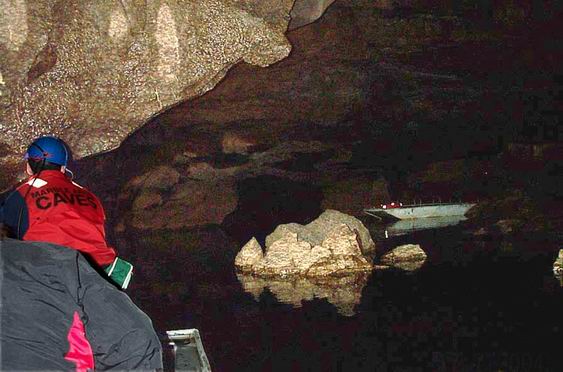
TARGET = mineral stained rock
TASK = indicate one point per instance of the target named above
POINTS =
(161, 199)
(558, 264)
(318, 230)
(93, 72)
(297, 270)
(338, 254)
(307, 11)
(407, 257)
(249, 255)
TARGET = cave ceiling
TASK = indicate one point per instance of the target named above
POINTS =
(93, 72)
(191, 74)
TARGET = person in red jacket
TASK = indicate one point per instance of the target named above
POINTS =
(50, 207)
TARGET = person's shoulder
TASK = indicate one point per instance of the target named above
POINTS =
(5, 195)
(32, 183)
(26, 184)
(84, 189)
(15, 193)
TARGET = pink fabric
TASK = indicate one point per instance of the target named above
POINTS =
(80, 351)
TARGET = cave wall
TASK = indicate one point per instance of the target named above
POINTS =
(378, 101)
(369, 105)
(93, 72)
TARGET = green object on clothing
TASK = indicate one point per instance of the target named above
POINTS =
(120, 272)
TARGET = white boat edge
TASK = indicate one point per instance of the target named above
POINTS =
(420, 211)
(193, 337)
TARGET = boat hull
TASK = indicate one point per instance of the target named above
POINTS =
(420, 211)
(404, 227)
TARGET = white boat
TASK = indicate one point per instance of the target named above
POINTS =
(406, 212)
(189, 354)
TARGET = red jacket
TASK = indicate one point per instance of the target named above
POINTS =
(51, 208)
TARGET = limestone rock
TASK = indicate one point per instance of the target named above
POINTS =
(146, 189)
(558, 264)
(186, 205)
(514, 212)
(342, 241)
(283, 230)
(509, 226)
(286, 256)
(384, 4)
(318, 230)
(352, 195)
(286, 150)
(289, 256)
(93, 72)
(481, 233)
(235, 144)
(249, 255)
(338, 266)
(161, 178)
(407, 257)
(307, 11)
(316, 255)
(203, 171)
(146, 199)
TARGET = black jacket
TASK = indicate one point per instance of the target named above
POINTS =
(42, 286)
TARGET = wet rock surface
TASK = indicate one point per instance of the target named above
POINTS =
(251, 254)
(558, 264)
(317, 231)
(288, 254)
(408, 257)
(301, 263)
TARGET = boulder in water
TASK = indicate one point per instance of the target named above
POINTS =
(407, 257)
(558, 264)
(339, 254)
(249, 255)
(318, 230)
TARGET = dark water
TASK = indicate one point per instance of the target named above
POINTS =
(474, 306)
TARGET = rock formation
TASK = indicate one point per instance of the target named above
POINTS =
(316, 232)
(162, 198)
(288, 255)
(320, 260)
(249, 256)
(558, 264)
(407, 257)
(94, 72)
(514, 213)
(307, 11)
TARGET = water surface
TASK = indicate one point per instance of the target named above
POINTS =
(473, 306)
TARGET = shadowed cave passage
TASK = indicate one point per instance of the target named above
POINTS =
(268, 201)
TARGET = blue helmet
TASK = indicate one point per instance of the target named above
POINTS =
(48, 148)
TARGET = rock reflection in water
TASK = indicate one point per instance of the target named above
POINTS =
(343, 292)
